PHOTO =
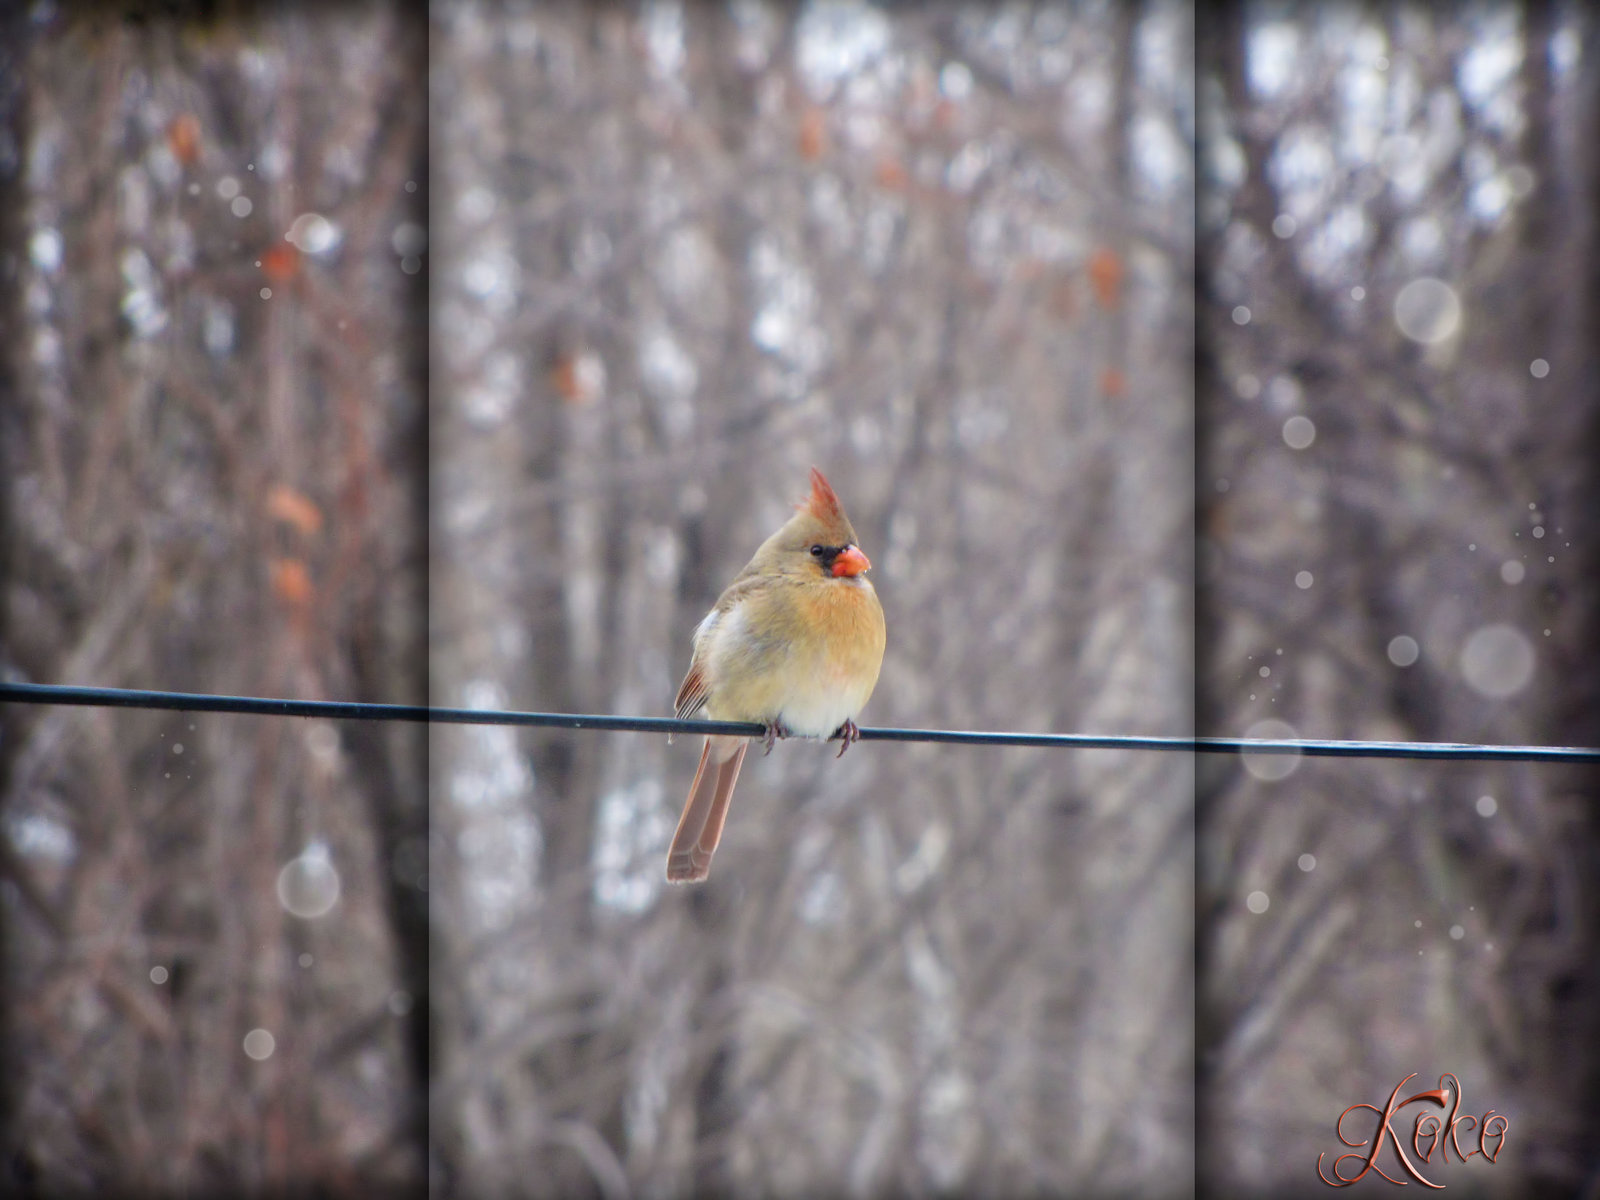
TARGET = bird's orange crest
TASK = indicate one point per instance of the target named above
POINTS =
(822, 503)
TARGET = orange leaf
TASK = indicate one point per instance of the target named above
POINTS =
(1113, 382)
(578, 378)
(1105, 276)
(280, 262)
(891, 174)
(183, 138)
(813, 135)
(294, 508)
(564, 378)
(291, 581)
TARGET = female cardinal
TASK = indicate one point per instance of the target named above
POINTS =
(794, 644)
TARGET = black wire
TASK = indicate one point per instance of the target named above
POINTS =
(46, 693)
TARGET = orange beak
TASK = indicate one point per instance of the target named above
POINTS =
(850, 561)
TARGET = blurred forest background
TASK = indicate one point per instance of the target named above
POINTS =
(1399, 328)
(213, 430)
(467, 356)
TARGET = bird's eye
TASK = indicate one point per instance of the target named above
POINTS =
(816, 552)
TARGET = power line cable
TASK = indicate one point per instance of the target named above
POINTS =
(100, 697)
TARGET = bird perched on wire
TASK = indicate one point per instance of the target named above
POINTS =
(795, 644)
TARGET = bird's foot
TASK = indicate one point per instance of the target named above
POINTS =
(847, 734)
(775, 730)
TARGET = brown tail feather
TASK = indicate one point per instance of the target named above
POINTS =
(700, 827)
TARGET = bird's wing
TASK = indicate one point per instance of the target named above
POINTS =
(695, 689)
(692, 692)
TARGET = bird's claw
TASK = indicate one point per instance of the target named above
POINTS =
(775, 730)
(847, 734)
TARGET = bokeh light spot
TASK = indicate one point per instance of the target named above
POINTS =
(1428, 311)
